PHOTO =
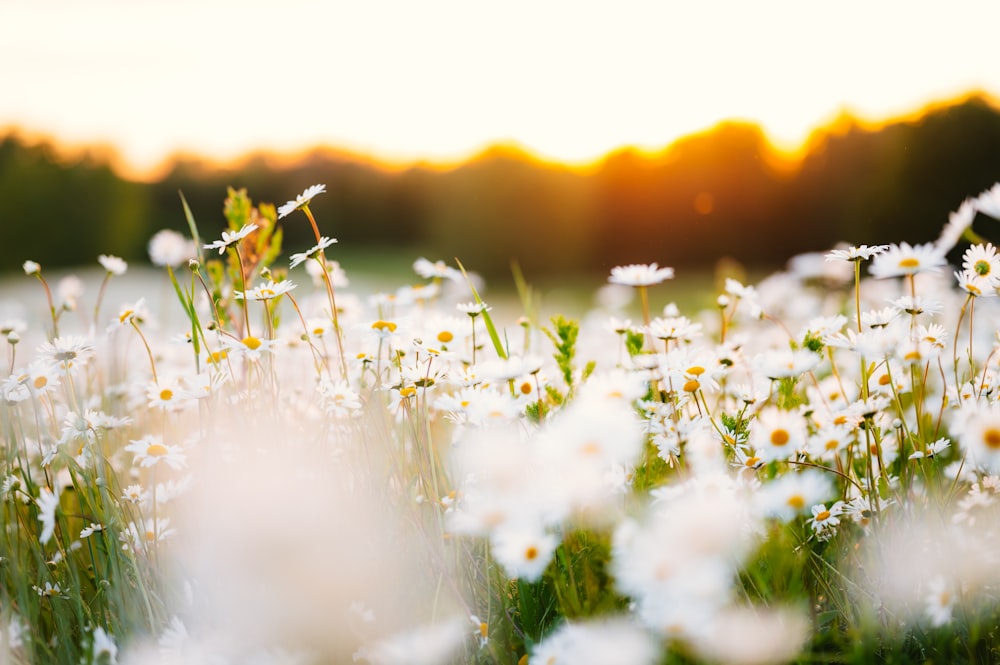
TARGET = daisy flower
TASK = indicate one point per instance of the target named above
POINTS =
(958, 222)
(916, 305)
(112, 264)
(988, 202)
(786, 363)
(905, 259)
(983, 261)
(231, 238)
(104, 649)
(150, 450)
(939, 600)
(166, 394)
(311, 253)
(825, 520)
(437, 269)
(640, 274)
(978, 429)
(829, 440)
(170, 248)
(90, 530)
(67, 349)
(933, 449)
(792, 493)
(777, 434)
(859, 253)
(674, 328)
(594, 642)
(301, 200)
(975, 285)
(524, 552)
(135, 495)
(473, 309)
(69, 290)
(50, 590)
(266, 291)
(47, 504)
(338, 399)
(250, 347)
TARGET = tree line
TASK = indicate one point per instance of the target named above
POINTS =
(726, 192)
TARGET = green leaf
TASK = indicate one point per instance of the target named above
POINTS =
(192, 225)
(490, 328)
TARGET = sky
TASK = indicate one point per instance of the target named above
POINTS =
(438, 80)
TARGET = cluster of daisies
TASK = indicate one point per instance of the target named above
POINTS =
(827, 407)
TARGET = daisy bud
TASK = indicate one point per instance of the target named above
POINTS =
(13, 338)
(31, 268)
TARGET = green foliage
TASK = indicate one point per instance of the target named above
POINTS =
(634, 342)
(564, 339)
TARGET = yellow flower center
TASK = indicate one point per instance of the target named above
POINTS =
(408, 391)
(526, 388)
(909, 262)
(531, 553)
(832, 444)
(697, 370)
(590, 448)
(797, 501)
(166, 394)
(150, 536)
(156, 450)
(267, 293)
(40, 382)
(218, 356)
(384, 326)
(691, 386)
(884, 380)
(124, 316)
(752, 462)
(780, 437)
(991, 438)
(823, 516)
(251, 343)
(445, 336)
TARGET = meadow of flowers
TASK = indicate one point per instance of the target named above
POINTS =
(807, 471)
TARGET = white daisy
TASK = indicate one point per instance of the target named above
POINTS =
(640, 274)
(150, 450)
(231, 238)
(988, 202)
(267, 291)
(170, 248)
(311, 253)
(861, 252)
(112, 264)
(904, 259)
(301, 200)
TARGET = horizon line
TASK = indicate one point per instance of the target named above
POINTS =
(787, 154)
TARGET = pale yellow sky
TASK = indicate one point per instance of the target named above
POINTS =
(439, 79)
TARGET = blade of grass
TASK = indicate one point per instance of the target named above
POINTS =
(490, 328)
(191, 225)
